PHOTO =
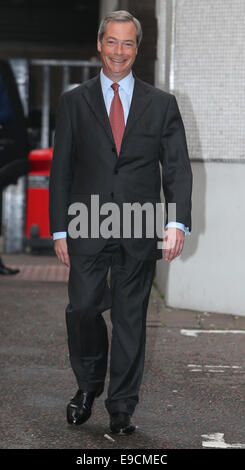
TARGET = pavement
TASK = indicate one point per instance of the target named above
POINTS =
(192, 395)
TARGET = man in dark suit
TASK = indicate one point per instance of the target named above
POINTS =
(111, 134)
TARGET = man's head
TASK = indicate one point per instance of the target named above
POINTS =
(119, 37)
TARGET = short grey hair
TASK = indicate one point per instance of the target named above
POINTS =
(120, 16)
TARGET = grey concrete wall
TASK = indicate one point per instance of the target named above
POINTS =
(201, 59)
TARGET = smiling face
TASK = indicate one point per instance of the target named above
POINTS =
(118, 49)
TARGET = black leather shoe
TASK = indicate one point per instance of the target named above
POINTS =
(6, 271)
(80, 407)
(120, 423)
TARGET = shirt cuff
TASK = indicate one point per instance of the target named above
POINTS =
(57, 235)
(180, 226)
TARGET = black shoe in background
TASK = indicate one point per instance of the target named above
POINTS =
(7, 271)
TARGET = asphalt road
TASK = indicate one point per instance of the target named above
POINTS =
(193, 390)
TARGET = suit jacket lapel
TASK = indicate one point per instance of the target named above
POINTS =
(140, 100)
(94, 96)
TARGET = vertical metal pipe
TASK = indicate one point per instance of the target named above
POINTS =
(21, 72)
(172, 46)
(66, 77)
(45, 107)
(85, 73)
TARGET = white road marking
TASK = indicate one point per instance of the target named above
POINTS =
(223, 367)
(210, 368)
(217, 440)
(194, 333)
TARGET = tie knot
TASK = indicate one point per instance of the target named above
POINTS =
(115, 86)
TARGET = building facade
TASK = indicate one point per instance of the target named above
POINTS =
(201, 59)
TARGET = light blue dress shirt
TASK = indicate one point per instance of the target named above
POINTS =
(125, 92)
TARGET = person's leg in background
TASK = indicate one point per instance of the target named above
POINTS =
(4, 270)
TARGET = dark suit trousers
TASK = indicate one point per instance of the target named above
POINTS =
(126, 292)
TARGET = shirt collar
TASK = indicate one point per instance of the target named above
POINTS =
(127, 83)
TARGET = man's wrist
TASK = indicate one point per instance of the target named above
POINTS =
(180, 226)
(58, 235)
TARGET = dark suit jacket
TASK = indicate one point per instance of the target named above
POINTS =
(85, 162)
(14, 145)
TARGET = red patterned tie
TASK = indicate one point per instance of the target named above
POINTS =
(117, 118)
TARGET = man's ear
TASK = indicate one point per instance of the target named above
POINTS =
(98, 45)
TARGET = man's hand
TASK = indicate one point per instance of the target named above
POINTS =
(173, 243)
(60, 248)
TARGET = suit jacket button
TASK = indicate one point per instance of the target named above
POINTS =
(112, 194)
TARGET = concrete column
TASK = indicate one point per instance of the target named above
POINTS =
(202, 45)
(108, 5)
